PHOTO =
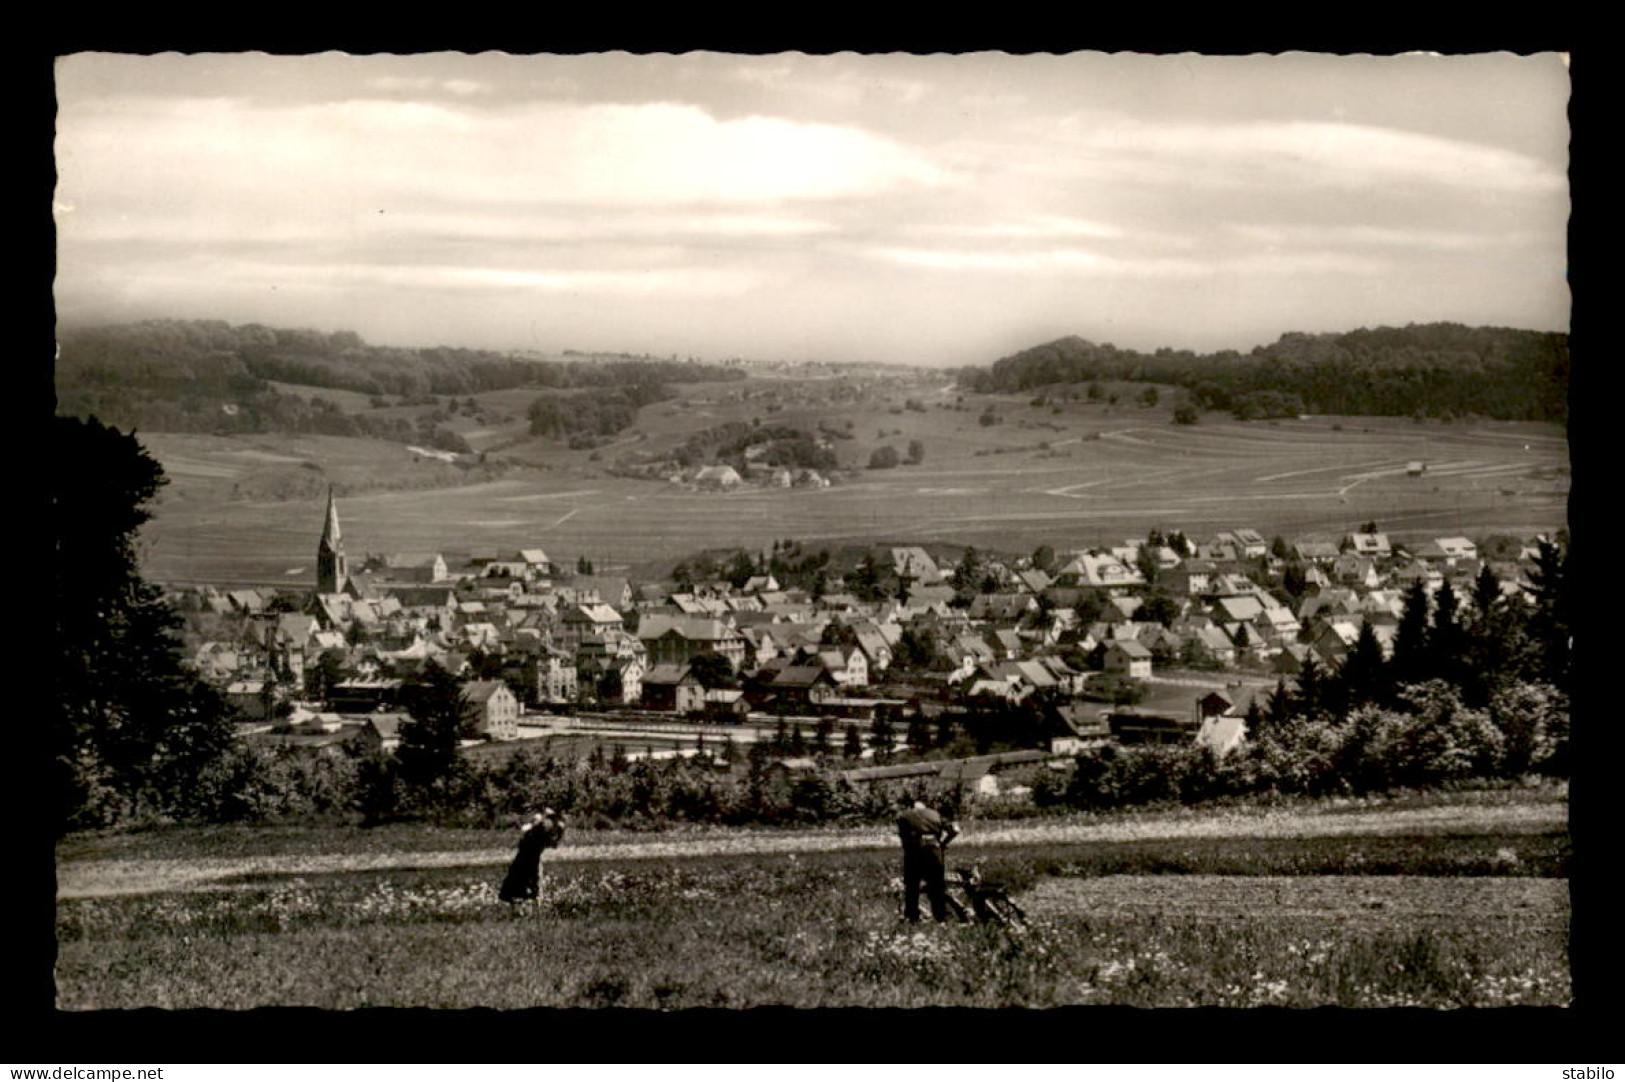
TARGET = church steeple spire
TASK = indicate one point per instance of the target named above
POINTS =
(332, 570)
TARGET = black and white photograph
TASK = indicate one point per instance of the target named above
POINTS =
(856, 530)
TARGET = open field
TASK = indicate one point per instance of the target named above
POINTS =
(1453, 904)
(1087, 475)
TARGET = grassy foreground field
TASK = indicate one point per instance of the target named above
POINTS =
(1397, 908)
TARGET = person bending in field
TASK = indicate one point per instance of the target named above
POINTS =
(925, 836)
(540, 832)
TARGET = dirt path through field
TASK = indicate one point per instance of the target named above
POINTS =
(92, 877)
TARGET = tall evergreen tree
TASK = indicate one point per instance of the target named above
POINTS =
(853, 747)
(440, 715)
(1411, 656)
(1486, 594)
(1281, 707)
(918, 735)
(1310, 698)
(1550, 623)
(1363, 676)
(1447, 638)
(823, 732)
(882, 734)
(133, 730)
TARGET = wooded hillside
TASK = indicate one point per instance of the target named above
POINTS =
(210, 376)
(1435, 370)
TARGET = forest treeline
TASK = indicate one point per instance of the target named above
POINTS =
(211, 376)
(1442, 370)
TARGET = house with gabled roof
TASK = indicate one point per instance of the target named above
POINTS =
(1002, 608)
(612, 679)
(1235, 610)
(1031, 580)
(802, 687)
(1189, 578)
(876, 650)
(1316, 552)
(673, 688)
(1289, 662)
(1249, 639)
(717, 477)
(1126, 657)
(913, 562)
(497, 709)
(1351, 570)
(1209, 644)
(1220, 552)
(1222, 733)
(1417, 571)
(922, 596)
(1083, 724)
(1278, 622)
(1374, 545)
(678, 639)
(1334, 640)
(249, 601)
(581, 622)
(536, 562)
(1253, 544)
(1099, 569)
(412, 567)
(847, 664)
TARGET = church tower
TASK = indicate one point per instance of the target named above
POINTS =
(332, 570)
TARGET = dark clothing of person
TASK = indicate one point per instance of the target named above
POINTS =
(925, 835)
(524, 879)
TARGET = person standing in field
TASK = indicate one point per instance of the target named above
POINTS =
(925, 836)
(540, 832)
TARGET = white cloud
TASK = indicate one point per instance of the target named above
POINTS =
(1371, 236)
(1266, 154)
(1066, 261)
(1039, 261)
(1036, 226)
(651, 281)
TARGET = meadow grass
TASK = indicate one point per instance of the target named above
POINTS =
(1108, 924)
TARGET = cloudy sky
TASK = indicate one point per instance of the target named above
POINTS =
(929, 210)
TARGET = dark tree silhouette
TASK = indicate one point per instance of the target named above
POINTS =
(133, 729)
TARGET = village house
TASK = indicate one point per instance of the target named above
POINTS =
(1126, 657)
(364, 696)
(847, 664)
(673, 688)
(801, 688)
(1316, 552)
(536, 563)
(611, 680)
(1093, 569)
(497, 709)
(1002, 609)
(726, 705)
(677, 640)
(423, 567)
(1209, 645)
(1374, 545)
(913, 562)
(1359, 571)
(721, 478)
(1190, 578)
(1083, 726)
(548, 676)
(1221, 726)
(582, 622)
